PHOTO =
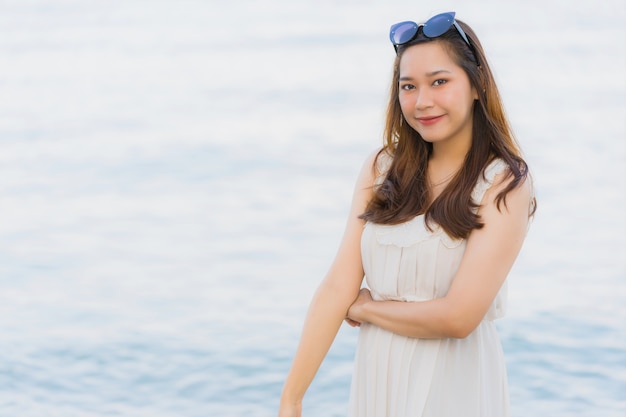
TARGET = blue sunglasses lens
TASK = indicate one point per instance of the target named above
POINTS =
(438, 25)
(402, 32)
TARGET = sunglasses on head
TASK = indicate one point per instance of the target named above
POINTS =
(404, 32)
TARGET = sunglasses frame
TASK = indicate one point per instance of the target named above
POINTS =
(415, 26)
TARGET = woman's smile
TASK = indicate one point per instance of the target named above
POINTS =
(430, 120)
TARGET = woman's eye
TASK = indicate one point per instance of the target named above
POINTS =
(407, 87)
(439, 82)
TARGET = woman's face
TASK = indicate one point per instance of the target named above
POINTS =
(435, 95)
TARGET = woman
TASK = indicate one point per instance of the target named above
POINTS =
(438, 218)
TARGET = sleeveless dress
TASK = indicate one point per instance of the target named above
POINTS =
(399, 376)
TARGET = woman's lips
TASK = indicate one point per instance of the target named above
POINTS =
(427, 121)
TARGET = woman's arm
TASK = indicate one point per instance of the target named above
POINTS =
(331, 301)
(489, 255)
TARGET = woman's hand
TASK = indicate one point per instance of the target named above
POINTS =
(355, 314)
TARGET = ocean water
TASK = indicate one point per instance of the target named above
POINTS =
(175, 176)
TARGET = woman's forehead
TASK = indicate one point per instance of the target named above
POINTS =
(426, 58)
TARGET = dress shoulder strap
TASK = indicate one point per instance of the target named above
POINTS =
(485, 181)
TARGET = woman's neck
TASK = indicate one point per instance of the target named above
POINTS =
(444, 163)
(451, 152)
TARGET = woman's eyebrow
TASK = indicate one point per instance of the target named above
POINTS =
(428, 74)
(437, 72)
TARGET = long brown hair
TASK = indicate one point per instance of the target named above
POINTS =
(404, 192)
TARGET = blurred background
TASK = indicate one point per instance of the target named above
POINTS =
(175, 178)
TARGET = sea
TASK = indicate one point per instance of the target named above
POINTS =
(175, 177)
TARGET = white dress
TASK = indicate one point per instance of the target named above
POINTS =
(399, 376)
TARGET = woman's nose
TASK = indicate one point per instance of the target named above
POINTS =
(423, 99)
